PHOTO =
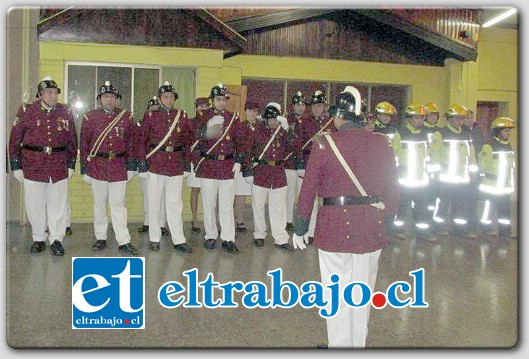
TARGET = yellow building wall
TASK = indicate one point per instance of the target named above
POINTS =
(492, 78)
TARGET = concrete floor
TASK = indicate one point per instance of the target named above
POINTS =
(471, 288)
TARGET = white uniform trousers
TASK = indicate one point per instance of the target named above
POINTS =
(277, 212)
(46, 204)
(222, 192)
(313, 215)
(192, 180)
(348, 328)
(170, 187)
(115, 192)
(293, 187)
(145, 194)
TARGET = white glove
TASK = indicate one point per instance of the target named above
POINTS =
(300, 242)
(70, 173)
(192, 168)
(19, 175)
(87, 179)
(215, 120)
(249, 179)
(130, 175)
(143, 175)
(300, 173)
(283, 121)
(236, 169)
(186, 174)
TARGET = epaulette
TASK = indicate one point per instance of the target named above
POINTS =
(24, 106)
(383, 135)
(319, 138)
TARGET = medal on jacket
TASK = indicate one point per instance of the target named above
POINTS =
(178, 129)
(228, 137)
(38, 122)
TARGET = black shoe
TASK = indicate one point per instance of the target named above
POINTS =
(210, 243)
(69, 231)
(241, 227)
(37, 247)
(195, 229)
(322, 346)
(183, 247)
(143, 229)
(154, 246)
(259, 242)
(290, 227)
(164, 230)
(99, 245)
(285, 246)
(57, 248)
(311, 239)
(230, 247)
(129, 248)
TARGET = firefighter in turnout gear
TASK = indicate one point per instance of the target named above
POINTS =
(410, 145)
(497, 163)
(454, 160)
(384, 124)
(430, 127)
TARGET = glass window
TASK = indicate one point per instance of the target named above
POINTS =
(145, 87)
(395, 95)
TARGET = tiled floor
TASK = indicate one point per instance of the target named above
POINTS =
(471, 288)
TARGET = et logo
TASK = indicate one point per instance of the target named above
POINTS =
(108, 293)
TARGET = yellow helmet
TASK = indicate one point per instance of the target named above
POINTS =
(431, 108)
(502, 122)
(457, 110)
(385, 108)
(415, 109)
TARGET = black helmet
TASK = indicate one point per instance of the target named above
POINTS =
(219, 90)
(47, 83)
(167, 87)
(298, 98)
(108, 88)
(272, 110)
(348, 105)
(318, 97)
(153, 102)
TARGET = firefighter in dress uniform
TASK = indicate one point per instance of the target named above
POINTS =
(217, 161)
(295, 118)
(350, 232)
(319, 122)
(107, 163)
(164, 161)
(201, 104)
(453, 157)
(242, 188)
(43, 151)
(152, 105)
(410, 145)
(497, 163)
(266, 172)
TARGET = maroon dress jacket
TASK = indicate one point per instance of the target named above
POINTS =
(117, 152)
(43, 143)
(349, 228)
(172, 158)
(270, 169)
(304, 132)
(218, 164)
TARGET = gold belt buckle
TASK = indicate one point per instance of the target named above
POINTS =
(111, 155)
(272, 163)
(48, 150)
(221, 157)
(169, 148)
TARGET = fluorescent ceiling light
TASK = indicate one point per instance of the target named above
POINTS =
(500, 18)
